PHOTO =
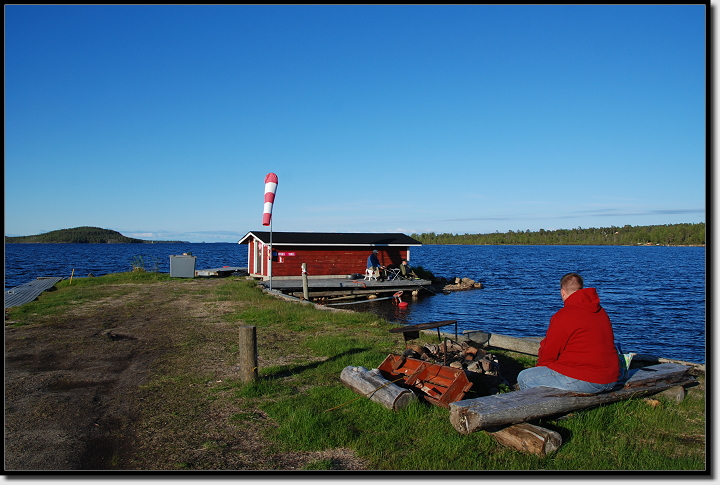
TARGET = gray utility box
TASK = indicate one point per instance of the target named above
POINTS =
(182, 266)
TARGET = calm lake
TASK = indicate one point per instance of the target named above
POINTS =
(655, 296)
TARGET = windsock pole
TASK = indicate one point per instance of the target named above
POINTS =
(271, 182)
(270, 255)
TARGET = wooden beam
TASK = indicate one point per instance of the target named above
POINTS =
(529, 345)
(651, 359)
(482, 413)
(345, 292)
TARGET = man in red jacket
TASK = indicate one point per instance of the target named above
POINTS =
(578, 352)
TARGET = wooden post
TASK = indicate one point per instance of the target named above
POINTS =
(306, 293)
(248, 354)
(71, 276)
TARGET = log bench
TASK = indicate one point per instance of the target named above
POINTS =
(483, 413)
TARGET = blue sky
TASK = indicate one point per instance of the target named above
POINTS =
(161, 122)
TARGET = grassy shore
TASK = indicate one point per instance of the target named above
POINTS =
(183, 407)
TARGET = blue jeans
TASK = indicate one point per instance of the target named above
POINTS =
(543, 376)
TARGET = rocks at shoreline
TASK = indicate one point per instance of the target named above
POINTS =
(455, 284)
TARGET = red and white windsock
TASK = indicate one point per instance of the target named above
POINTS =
(271, 182)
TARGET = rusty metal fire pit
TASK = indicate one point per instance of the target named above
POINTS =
(439, 384)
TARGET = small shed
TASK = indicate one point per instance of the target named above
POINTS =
(326, 254)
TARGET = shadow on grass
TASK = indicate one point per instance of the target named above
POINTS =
(553, 424)
(289, 371)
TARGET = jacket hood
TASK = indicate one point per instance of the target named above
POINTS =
(586, 298)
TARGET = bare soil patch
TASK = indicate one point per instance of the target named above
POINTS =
(77, 393)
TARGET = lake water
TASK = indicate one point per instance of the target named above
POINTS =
(655, 296)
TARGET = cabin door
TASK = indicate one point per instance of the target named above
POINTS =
(257, 258)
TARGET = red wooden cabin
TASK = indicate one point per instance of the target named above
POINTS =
(326, 254)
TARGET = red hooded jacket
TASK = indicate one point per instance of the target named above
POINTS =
(579, 342)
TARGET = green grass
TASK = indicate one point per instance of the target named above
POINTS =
(81, 291)
(311, 410)
(629, 435)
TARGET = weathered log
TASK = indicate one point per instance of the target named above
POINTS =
(676, 394)
(472, 415)
(375, 387)
(529, 345)
(528, 438)
(647, 359)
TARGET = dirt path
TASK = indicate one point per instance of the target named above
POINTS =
(74, 398)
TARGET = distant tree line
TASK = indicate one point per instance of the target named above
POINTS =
(663, 235)
(85, 234)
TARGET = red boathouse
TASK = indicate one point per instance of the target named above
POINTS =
(326, 254)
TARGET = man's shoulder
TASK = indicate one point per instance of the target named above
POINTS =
(579, 316)
(569, 312)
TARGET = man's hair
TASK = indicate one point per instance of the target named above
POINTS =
(571, 282)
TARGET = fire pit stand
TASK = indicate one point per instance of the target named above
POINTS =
(411, 332)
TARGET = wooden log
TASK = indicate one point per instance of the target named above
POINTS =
(375, 387)
(472, 415)
(523, 345)
(247, 350)
(531, 345)
(647, 359)
(676, 394)
(528, 438)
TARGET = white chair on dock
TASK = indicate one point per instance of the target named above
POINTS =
(370, 275)
(393, 273)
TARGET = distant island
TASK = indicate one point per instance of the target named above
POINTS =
(659, 235)
(84, 234)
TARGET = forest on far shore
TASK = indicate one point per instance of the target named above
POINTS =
(660, 235)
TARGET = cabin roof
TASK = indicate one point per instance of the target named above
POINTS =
(331, 239)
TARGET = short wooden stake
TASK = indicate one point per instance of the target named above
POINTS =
(71, 275)
(248, 354)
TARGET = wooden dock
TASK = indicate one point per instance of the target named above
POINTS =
(222, 272)
(342, 287)
(28, 292)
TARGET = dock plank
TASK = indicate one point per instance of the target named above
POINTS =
(287, 284)
(28, 292)
(342, 287)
